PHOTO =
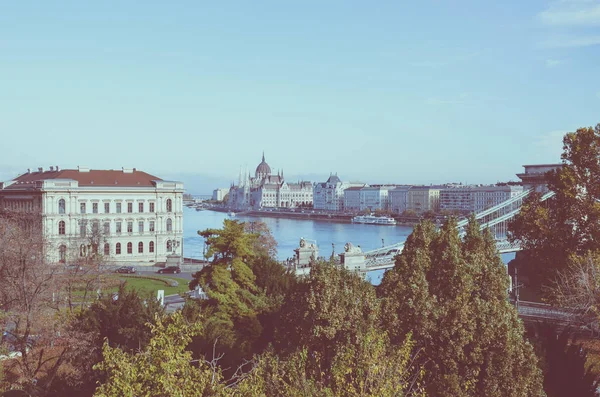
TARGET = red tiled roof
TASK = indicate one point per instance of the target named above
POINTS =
(94, 177)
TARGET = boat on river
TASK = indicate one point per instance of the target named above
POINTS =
(374, 220)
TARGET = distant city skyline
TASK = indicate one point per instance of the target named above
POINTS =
(426, 92)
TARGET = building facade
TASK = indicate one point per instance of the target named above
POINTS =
(267, 190)
(534, 176)
(399, 199)
(329, 196)
(129, 215)
(375, 198)
(467, 199)
(421, 199)
(219, 194)
(352, 198)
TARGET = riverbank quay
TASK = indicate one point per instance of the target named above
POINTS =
(310, 215)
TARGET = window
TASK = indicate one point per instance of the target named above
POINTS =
(169, 245)
(151, 246)
(169, 205)
(151, 207)
(95, 228)
(82, 229)
(106, 208)
(169, 225)
(151, 226)
(140, 248)
(95, 208)
(141, 226)
(129, 227)
(61, 227)
(106, 228)
(118, 227)
(130, 207)
(118, 208)
(140, 207)
(129, 248)
(82, 250)
(62, 254)
(118, 249)
(82, 208)
(106, 249)
(61, 206)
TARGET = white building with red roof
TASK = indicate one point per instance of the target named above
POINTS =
(134, 217)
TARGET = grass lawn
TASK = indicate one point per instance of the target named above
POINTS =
(145, 285)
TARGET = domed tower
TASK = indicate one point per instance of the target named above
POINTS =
(263, 170)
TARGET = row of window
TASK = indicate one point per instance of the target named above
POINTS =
(83, 229)
(62, 250)
(118, 209)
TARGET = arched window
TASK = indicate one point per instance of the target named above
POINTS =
(169, 246)
(151, 246)
(169, 205)
(169, 225)
(118, 249)
(61, 206)
(140, 247)
(129, 248)
(82, 250)
(106, 249)
(62, 254)
(61, 227)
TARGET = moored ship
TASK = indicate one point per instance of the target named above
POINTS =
(374, 220)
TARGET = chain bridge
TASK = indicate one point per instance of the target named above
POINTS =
(495, 218)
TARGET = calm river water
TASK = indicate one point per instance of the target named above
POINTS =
(288, 232)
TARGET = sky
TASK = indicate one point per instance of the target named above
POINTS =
(377, 91)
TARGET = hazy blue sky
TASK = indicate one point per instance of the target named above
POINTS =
(420, 91)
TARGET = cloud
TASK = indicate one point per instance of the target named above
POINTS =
(571, 13)
(571, 23)
(550, 63)
(571, 42)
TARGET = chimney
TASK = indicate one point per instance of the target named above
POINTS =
(51, 168)
(29, 170)
(40, 169)
(57, 168)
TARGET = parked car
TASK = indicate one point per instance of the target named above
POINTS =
(73, 268)
(126, 269)
(170, 269)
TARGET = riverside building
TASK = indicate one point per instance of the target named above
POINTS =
(136, 217)
(329, 195)
(467, 199)
(267, 190)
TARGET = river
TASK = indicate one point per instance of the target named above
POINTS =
(287, 233)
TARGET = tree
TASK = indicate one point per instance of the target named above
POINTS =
(550, 232)
(26, 298)
(122, 321)
(564, 362)
(265, 244)
(451, 295)
(578, 287)
(330, 334)
(235, 301)
(81, 279)
(163, 368)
